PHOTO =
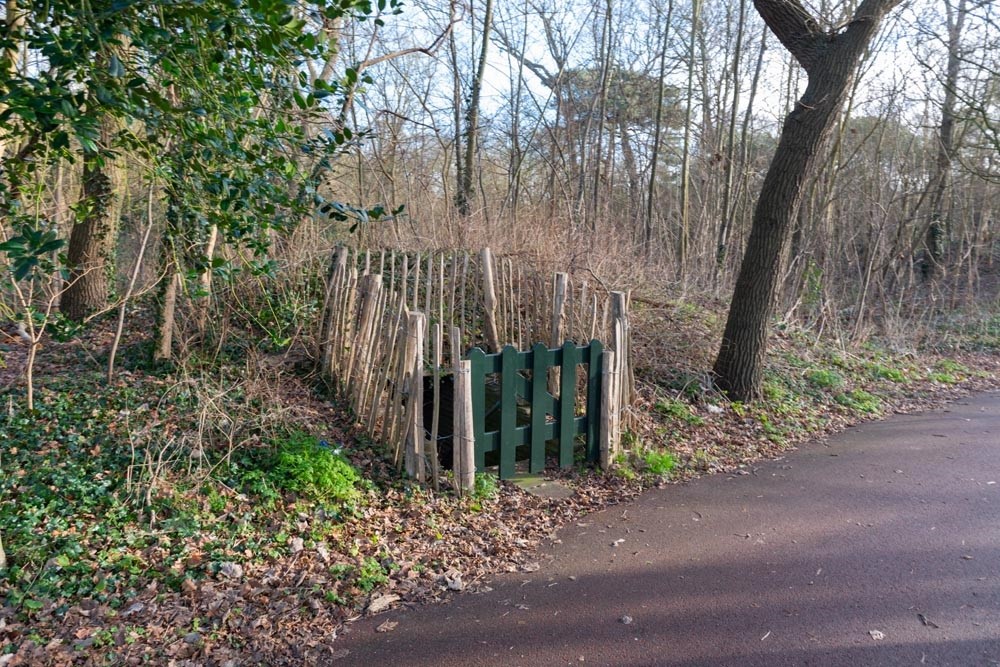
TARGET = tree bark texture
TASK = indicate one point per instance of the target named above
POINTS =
(91, 242)
(830, 58)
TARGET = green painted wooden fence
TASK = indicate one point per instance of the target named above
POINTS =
(550, 418)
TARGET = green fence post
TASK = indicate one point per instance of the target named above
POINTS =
(567, 403)
(594, 364)
(508, 411)
(478, 380)
(539, 367)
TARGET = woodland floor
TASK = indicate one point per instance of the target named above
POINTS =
(130, 543)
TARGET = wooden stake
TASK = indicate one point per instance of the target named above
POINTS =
(415, 439)
(609, 410)
(560, 284)
(454, 291)
(392, 271)
(522, 338)
(619, 319)
(489, 302)
(464, 438)
(501, 278)
(405, 278)
(435, 418)
(441, 281)
(465, 279)
(416, 282)
(429, 289)
(392, 325)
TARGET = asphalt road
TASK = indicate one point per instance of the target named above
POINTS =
(879, 546)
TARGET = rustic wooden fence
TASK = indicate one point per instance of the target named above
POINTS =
(395, 325)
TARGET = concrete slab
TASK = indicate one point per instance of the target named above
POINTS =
(541, 487)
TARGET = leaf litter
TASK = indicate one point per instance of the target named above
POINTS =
(287, 607)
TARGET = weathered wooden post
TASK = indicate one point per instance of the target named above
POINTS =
(463, 440)
(414, 366)
(437, 343)
(610, 410)
(329, 334)
(621, 334)
(489, 302)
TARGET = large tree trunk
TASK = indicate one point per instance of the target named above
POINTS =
(830, 58)
(91, 242)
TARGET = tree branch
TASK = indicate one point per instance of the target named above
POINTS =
(867, 17)
(794, 27)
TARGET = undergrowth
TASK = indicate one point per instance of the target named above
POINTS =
(105, 489)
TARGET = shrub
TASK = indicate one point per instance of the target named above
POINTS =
(371, 574)
(860, 401)
(313, 469)
(882, 372)
(659, 463)
(679, 411)
(825, 379)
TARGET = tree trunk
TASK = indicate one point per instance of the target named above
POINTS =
(168, 308)
(10, 57)
(654, 157)
(728, 207)
(685, 222)
(456, 98)
(607, 44)
(935, 241)
(91, 242)
(466, 188)
(830, 58)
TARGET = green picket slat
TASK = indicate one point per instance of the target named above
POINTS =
(594, 362)
(567, 401)
(539, 391)
(508, 411)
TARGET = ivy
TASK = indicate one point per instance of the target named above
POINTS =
(211, 95)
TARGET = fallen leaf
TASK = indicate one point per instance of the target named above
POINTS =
(381, 603)
(926, 621)
(876, 634)
(387, 626)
